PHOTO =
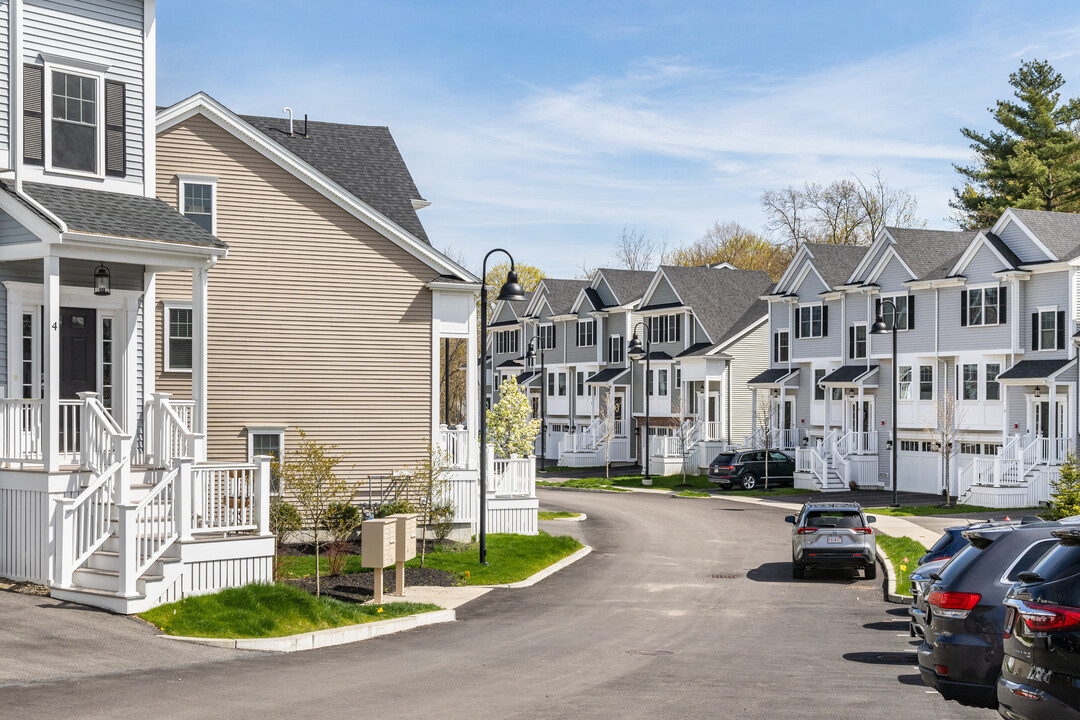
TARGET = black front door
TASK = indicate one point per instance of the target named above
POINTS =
(78, 354)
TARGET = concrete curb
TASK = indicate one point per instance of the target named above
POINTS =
(325, 638)
(890, 579)
(691, 497)
(582, 517)
(576, 489)
(549, 570)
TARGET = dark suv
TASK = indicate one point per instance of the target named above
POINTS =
(950, 543)
(747, 468)
(962, 653)
(1040, 678)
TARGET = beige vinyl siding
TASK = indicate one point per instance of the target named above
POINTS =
(315, 320)
(749, 357)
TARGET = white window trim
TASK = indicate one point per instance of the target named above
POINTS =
(1053, 310)
(980, 375)
(541, 342)
(83, 69)
(820, 335)
(613, 342)
(980, 287)
(912, 382)
(907, 307)
(581, 323)
(917, 379)
(866, 340)
(99, 351)
(185, 179)
(169, 305)
(253, 430)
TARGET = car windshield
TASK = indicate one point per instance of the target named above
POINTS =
(723, 459)
(1061, 562)
(833, 519)
(943, 542)
(959, 562)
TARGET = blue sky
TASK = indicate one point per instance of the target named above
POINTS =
(547, 127)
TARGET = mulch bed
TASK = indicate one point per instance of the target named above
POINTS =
(360, 587)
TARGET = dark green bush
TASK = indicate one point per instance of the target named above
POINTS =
(401, 505)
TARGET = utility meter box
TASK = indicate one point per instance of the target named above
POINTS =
(406, 535)
(378, 542)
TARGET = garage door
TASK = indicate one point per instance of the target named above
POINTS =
(919, 467)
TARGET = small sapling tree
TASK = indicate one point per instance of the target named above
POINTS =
(944, 432)
(427, 484)
(511, 427)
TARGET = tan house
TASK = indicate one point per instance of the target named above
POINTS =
(330, 311)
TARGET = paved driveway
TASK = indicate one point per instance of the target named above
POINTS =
(686, 609)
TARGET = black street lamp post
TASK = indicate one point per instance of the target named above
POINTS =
(511, 290)
(634, 349)
(879, 328)
(531, 357)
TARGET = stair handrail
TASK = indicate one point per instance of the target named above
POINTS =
(1030, 457)
(85, 522)
(101, 442)
(174, 439)
(148, 529)
(819, 467)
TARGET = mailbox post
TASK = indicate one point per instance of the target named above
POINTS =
(378, 541)
(406, 546)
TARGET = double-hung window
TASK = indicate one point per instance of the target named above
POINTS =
(905, 382)
(586, 333)
(780, 347)
(897, 310)
(857, 342)
(662, 376)
(984, 306)
(179, 324)
(267, 441)
(615, 349)
(580, 383)
(810, 321)
(551, 384)
(198, 200)
(970, 381)
(562, 384)
(993, 389)
(1048, 329)
(506, 341)
(819, 390)
(666, 328)
(74, 122)
(926, 382)
(546, 336)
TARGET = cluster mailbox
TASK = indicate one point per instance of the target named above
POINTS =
(388, 541)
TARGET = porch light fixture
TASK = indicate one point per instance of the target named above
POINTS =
(102, 280)
(805, 441)
(1038, 392)
(880, 328)
(511, 290)
(635, 350)
(888, 445)
(776, 393)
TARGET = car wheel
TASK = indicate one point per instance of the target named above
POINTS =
(749, 481)
(871, 571)
(798, 570)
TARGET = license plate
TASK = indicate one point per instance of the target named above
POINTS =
(835, 539)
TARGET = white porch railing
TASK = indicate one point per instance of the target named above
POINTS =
(454, 441)
(513, 477)
(819, 467)
(167, 432)
(20, 430)
(101, 441)
(224, 497)
(803, 459)
(151, 527)
(666, 446)
(84, 523)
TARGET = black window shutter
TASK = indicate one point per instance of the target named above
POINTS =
(1061, 330)
(115, 129)
(798, 325)
(911, 312)
(1034, 331)
(963, 307)
(877, 309)
(1003, 305)
(824, 321)
(776, 347)
(851, 342)
(33, 114)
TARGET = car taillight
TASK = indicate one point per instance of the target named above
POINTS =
(863, 531)
(725, 467)
(953, 604)
(1050, 618)
(806, 530)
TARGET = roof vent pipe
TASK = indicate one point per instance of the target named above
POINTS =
(289, 110)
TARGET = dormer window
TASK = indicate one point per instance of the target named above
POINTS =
(666, 328)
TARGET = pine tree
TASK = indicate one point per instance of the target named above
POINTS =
(1065, 492)
(1032, 161)
(511, 427)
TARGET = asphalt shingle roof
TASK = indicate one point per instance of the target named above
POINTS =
(610, 375)
(628, 285)
(847, 374)
(768, 377)
(1033, 369)
(1058, 231)
(930, 253)
(115, 214)
(725, 301)
(363, 159)
(561, 294)
(835, 263)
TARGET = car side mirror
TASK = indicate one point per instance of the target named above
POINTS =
(870, 519)
(790, 519)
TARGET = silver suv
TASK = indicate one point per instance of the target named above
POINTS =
(832, 535)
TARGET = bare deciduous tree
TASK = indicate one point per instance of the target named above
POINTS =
(944, 432)
(635, 250)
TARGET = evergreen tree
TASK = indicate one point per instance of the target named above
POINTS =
(1032, 161)
(1065, 492)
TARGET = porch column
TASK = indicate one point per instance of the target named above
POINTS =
(199, 290)
(472, 402)
(50, 366)
(1051, 455)
(860, 441)
(828, 401)
(1004, 389)
(753, 411)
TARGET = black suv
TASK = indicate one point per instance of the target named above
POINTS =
(747, 468)
(1040, 678)
(950, 543)
(962, 653)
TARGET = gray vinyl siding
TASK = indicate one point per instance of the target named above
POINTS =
(882, 411)
(604, 291)
(875, 259)
(920, 338)
(577, 354)
(805, 396)
(893, 276)
(856, 308)
(1043, 290)
(982, 267)
(825, 346)
(637, 375)
(108, 32)
(1016, 397)
(699, 332)
(614, 324)
(1019, 242)
(954, 337)
(5, 84)
(811, 286)
(563, 338)
(504, 313)
(664, 294)
(748, 358)
(780, 314)
(12, 232)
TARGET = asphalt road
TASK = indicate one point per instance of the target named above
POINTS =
(640, 628)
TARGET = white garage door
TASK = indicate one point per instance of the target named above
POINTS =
(920, 469)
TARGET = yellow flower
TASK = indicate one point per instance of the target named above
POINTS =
(904, 568)
(468, 574)
(379, 610)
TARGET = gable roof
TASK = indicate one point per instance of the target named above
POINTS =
(725, 300)
(560, 294)
(120, 215)
(363, 159)
(835, 263)
(315, 177)
(628, 285)
(1058, 231)
(926, 251)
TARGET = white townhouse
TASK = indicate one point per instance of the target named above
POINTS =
(985, 323)
(706, 329)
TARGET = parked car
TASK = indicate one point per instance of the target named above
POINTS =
(962, 649)
(1040, 676)
(920, 578)
(746, 468)
(950, 543)
(832, 535)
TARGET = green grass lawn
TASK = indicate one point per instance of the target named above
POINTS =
(768, 493)
(904, 554)
(510, 558)
(693, 493)
(587, 483)
(1014, 513)
(265, 610)
(624, 482)
(558, 515)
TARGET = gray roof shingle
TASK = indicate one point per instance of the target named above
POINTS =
(363, 159)
(1034, 369)
(1058, 231)
(847, 374)
(628, 285)
(725, 300)
(930, 253)
(561, 294)
(121, 215)
(835, 262)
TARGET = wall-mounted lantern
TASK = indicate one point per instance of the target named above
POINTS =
(102, 280)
